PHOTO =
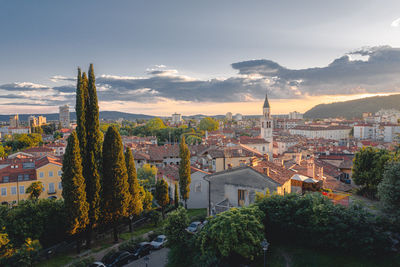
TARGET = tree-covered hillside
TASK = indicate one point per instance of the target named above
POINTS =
(354, 108)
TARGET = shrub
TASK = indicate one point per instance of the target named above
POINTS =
(131, 245)
(314, 221)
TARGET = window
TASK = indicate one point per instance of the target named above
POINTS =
(51, 188)
(4, 191)
(197, 187)
(60, 173)
(41, 174)
(60, 185)
(50, 174)
(6, 179)
(13, 190)
(26, 177)
(22, 189)
(241, 195)
(20, 177)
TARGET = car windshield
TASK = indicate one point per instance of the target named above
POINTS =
(193, 225)
(159, 240)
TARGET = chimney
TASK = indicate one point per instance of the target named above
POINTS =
(266, 171)
(311, 168)
(298, 158)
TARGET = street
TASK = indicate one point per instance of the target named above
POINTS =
(158, 258)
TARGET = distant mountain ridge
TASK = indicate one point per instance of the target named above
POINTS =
(354, 108)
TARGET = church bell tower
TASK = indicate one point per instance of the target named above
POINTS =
(267, 126)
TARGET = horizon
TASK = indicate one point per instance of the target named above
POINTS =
(160, 58)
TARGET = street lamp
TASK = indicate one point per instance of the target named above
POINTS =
(146, 260)
(264, 245)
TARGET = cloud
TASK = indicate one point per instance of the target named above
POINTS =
(395, 23)
(366, 70)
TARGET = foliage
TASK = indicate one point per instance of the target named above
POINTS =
(135, 206)
(44, 220)
(147, 199)
(389, 190)
(235, 234)
(369, 165)
(184, 171)
(161, 194)
(22, 141)
(131, 245)
(260, 196)
(176, 196)
(155, 124)
(175, 227)
(73, 183)
(82, 262)
(92, 158)
(34, 190)
(115, 194)
(80, 108)
(26, 255)
(314, 221)
(193, 139)
(147, 175)
(6, 248)
(208, 124)
(155, 217)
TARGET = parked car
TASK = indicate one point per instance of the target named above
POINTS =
(97, 264)
(143, 249)
(118, 259)
(194, 227)
(159, 242)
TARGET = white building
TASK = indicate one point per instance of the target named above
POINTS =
(176, 118)
(198, 197)
(267, 126)
(64, 116)
(238, 117)
(322, 131)
(295, 115)
(228, 116)
(378, 131)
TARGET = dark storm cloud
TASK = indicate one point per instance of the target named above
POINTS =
(367, 70)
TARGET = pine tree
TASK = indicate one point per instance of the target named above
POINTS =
(115, 194)
(162, 195)
(92, 159)
(135, 206)
(176, 196)
(74, 194)
(184, 171)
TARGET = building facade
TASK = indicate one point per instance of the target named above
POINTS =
(64, 116)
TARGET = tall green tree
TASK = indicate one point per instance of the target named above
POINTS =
(208, 124)
(34, 190)
(162, 195)
(135, 206)
(74, 193)
(184, 171)
(389, 190)
(92, 159)
(176, 196)
(80, 108)
(115, 194)
(369, 165)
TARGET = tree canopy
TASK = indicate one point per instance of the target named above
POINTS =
(389, 190)
(208, 124)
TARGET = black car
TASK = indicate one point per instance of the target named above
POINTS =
(118, 259)
(143, 249)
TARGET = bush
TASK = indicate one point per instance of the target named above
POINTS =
(155, 217)
(313, 220)
(131, 245)
(83, 262)
(155, 233)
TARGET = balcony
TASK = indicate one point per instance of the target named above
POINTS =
(52, 192)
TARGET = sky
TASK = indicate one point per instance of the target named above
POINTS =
(197, 57)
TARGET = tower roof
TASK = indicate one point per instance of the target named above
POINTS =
(266, 103)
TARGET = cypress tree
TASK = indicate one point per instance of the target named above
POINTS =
(176, 196)
(162, 195)
(184, 171)
(80, 108)
(74, 194)
(92, 160)
(135, 206)
(115, 192)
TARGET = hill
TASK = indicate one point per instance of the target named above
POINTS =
(354, 108)
(105, 115)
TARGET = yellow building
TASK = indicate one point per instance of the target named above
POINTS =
(17, 174)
